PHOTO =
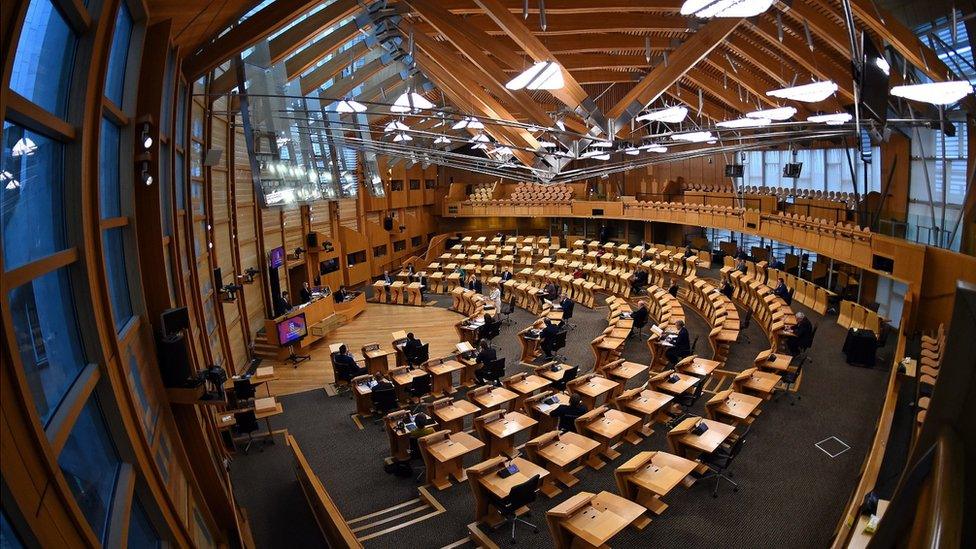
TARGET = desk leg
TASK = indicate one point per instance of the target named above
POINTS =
(632, 437)
(438, 476)
(563, 476)
(651, 501)
(457, 471)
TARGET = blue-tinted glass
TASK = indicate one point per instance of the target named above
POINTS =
(180, 180)
(142, 535)
(43, 62)
(181, 115)
(108, 170)
(115, 76)
(163, 455)
(8, 538)
(113, 242)
(90, 464)
(140, 390)
(196, 159)
(47, 338)
(31, 219)
(165, 189)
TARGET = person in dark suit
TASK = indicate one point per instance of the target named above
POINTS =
(506, 275)
(727, 289)
(802, 335)
(781, 290)
(741, 266)
(548, 337)
(682, 345)
(604, 234)
(640, 315)
(485, 355)
(688, 251)
(567, 305)
(673, 288)
(387, 279)
(568, 413)
(340, 295)
(551, 291)
(281, 304)
(306, 292)
(411, 348)
(382, 384)
(639, 281)
(476, 284)
(346, 364)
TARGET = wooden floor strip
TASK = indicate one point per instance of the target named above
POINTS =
(399, 526)
(384, 511)
(406, 513)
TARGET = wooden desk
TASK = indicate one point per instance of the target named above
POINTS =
(444, 455)
(645, 403)
(263, 375)
(490, 398)
(649, 476)
(683, 384)
(487, 484)
(531, 344)
(402, 377)
(399, 439)
(609, 426)
(623, 371)
(379, 292)
(700, 367)
(362, 389)
(761, 383)
(450, 414)
(539, 411)
(350, 308)
(778, 365)
(442, 382)
(686, 444)
(525, 385)
(412, 296)
(498, 430)
(592, 389)
(733, 407)
(376, 358)
(591, 518)
(559, 453)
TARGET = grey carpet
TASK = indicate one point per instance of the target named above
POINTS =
(792, 494)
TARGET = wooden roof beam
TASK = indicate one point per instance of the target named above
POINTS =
(288, 42)
(311, 54)
(259, 26)
(465, 7)
(321, 74)
(344, 86)
(664, 75)
(573, 24)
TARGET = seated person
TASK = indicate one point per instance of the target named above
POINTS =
(673, 288)
(740, 266)
(568, 413)
(506, 275)
(387, 279)
(802, 335)
(681, 347)
(474, 283)
(340, 295)
(639, 281)
(485, 355)
(346, 365)
(640, 315)
(551, 291)
(410, 270)
(567, 305)
(424, 426)
(781, 290)
(579, 273)
(411, 348)
(727, 289)
(382, 384)
(281, 304)
(306, 292)
(548, 337)
(688, 251)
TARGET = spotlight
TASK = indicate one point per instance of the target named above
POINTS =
(147, 178)
(147, 139)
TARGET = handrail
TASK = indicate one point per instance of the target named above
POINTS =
(331, 523)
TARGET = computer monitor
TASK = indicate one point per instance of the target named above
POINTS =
(292, 329)
(276, 257)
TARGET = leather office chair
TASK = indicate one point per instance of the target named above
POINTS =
(568, 314)
(558, 342)
(421, 356)
(507, 309)
(246, 424)
(343, 377)
(384, 402)
(413, 455)
(490, 331)
(789, 378)
(519, 496)
(568, 375)
(719, 462)
(494, 371)
(639, 327)
(419, 388)
(243, 392)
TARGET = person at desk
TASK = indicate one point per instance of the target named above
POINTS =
(688, 251)
(567, 414)
(281, 304)
(382, 384)
(802, 334)
(496, 298)
(567, 305)
(462, 275)
(423, 424)
(551, 291)
(740, 265)
(340, 294)
(548, 337)
(727, 289)
(485, 355)
(474, 283)
(410, 270)
(305, 293)
(411, 348)
(346, 364)
(578, 273)
(673, 287)
(506, 275)
(387, 279)
(639, 281)
(781, 290)
(681, 346)
(640, 315)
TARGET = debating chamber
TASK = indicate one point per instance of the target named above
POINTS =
(442, 274)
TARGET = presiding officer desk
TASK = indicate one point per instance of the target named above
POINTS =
(320, 315)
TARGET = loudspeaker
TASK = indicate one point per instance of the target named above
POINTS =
(175, 320)
(174, 360)
(388, 223)
(218, 277)
(882, 263)
(312, 240)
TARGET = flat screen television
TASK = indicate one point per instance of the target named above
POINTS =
(276, 257)
(328, 266)
(292, 329)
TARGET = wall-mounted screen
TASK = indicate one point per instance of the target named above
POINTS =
(292, 329)
(276, 257)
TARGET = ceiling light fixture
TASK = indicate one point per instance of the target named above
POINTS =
(395, 125)
(747, 122)
(468, 122)
(724, 8)
(670, 115)
(24, 146)
(935, 93)
(547, 145)
(632, 151)
(653, 147)
(480, 146)
(834, 119)
(778, 113)
(411, 101)
(596, 154)
(147, 178)
(400, 136)
(601, 144)
(543, 75)
(882, 64)
(808, 93)
(441, 140)
(693, 137)
(10, 180)
(480, 138)
(350, 106)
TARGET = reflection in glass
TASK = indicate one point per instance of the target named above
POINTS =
(44, 58)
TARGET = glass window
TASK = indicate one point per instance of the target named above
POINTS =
(115, 76)
(179, 181)
(8, 537)
(44, 58)
(108, 170)
(148, 414)
(31, 218)
(196, 159)
(47, 338)
(163, 456)
(181, 115)
(165, 190)
(142, 535)
(90, 464)
(113, 242)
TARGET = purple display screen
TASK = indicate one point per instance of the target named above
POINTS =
(292, 329)
(276, 257)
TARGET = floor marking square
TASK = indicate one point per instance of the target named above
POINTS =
(832, 446)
